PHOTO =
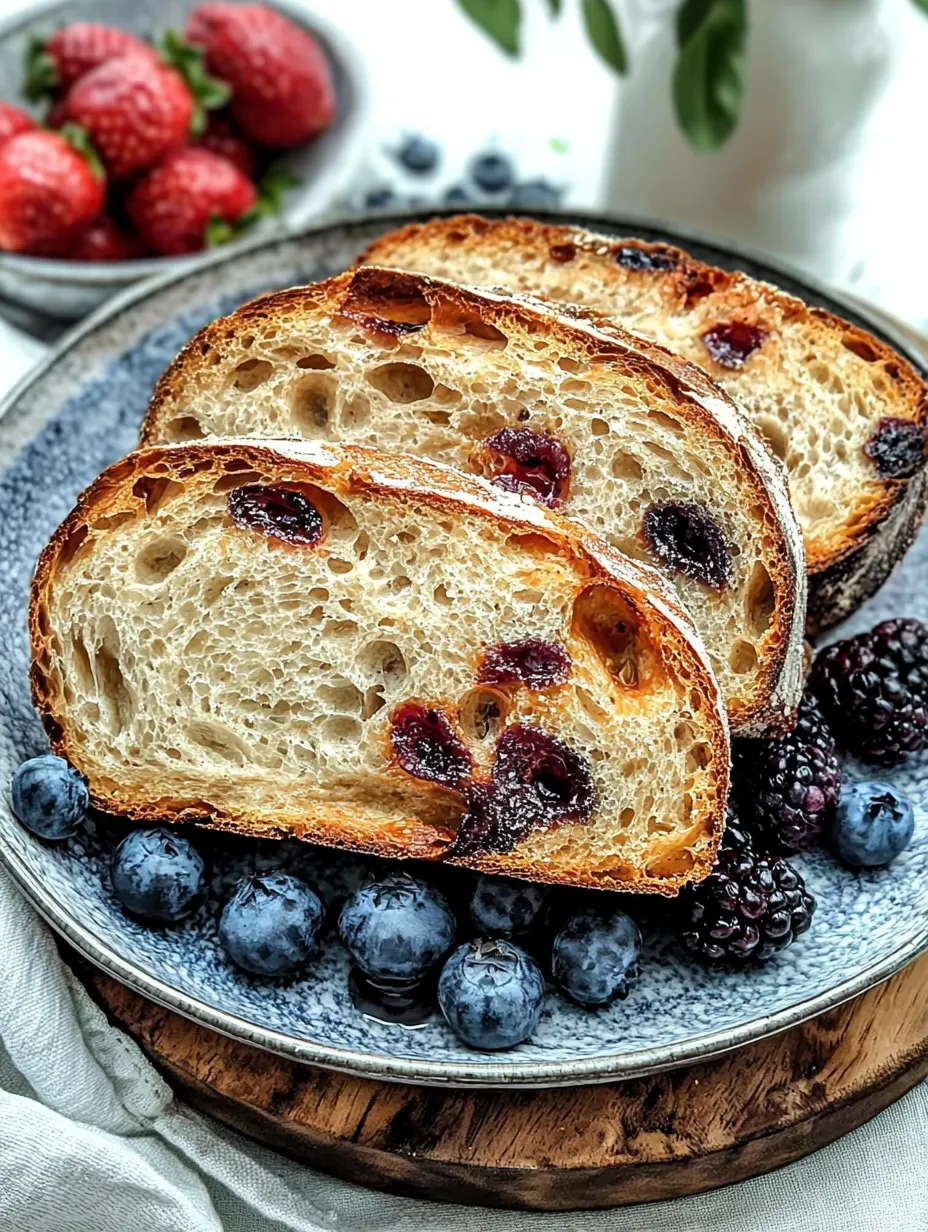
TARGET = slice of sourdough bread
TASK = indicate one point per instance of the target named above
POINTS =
(844, 412)
(638, 445)
(366, 651)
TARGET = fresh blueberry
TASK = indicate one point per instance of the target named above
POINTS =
(271, 923)
(492, 172)
(502, 906)
(418, 154)
(872, 825)
(535, 195)
(396, 928)
(491, 993)
(594, 958)
(457, 194)
(378, 198)
(157, 875)
(50, 797)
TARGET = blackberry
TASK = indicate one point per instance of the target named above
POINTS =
(811, 726)
(873, 690)
(749, 908)
(787, 789)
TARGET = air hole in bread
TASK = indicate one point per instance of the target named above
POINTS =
(673, 864)
(111, 521)
(441, 596)
(341, 696)
(159, 559)
(667, 421)
(340, 730)
(81, 661)
(384, 659)
(760, 599)
(310, 403)
(482, 713)
(562, 253)
(590, 707)
(111, 683)
(861, 346)
(775, 434)
(599, 427)
(251, 373)
(218, 740)
(742, 658)
(318, 362)
(374, 700)
(236, 480)
(625, 466)
(72, 545)
(602, 618)
(386, 302)
(402, 383)
(156, 491)
(698, 756)
(339, 566)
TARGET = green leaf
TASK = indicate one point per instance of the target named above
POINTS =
(501, 19)
(602, 28)
(218, 231)
(209, 93)
(921, 4)
(555, 6)
(708, 78)
(40, 69)
(79, 139)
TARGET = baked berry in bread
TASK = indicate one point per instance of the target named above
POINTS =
(844, 412)
(614, 430)
(367, 651)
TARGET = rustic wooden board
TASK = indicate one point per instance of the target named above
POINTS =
(676, 1133)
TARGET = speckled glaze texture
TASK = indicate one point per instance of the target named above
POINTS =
(80, 413)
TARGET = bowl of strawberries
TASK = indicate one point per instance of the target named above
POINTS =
(134, 137)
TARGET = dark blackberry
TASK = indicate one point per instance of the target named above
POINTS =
(749, 908)
(786, 789)
(811, 726)
(873, 691)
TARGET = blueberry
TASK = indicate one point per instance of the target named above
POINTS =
(157, 875)
(396, 928)
(492, 172)
(491, 993)
(503, 906)
(271, 923)
(535, 195)
(378, 198)
(418, 154)
(873, 824)
(50, 797)
(457, 194)
(594, 958)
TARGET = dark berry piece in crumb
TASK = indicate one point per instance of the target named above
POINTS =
(536, 664)
(786, 790)
(687, 540)
(271, 924)
(873, 691)
(896, 448)
(873, 824)
(531, 462)
(378, 198)
(492, 172)
(491, 994)
(535, 195)
(396, 928)
(502, 906)
(749, 908)
(457, 194)
(427, 746)
(158, 875)
(594, 958)
(419, 154)
(732, 344)
(50, 797)
(639, 257)
(281, 513)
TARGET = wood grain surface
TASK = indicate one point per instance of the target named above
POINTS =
(676, 1133)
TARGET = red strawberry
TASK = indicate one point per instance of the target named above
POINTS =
(104, 240)
(191, 192)
(133, 109)
(221, 138)
(53, 67)
(48, 192)
(282, 92)
(13, 121)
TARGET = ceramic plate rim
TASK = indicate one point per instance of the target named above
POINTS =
(375, 1065)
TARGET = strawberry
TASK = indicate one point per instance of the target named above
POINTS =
(191, 198)
(282, 91)
(48, 192)
(221, 138)
(104, 240)
(133, 109)
(54, 65)
(13, 121)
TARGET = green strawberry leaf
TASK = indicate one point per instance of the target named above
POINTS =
(501, 19)
(218, 231)
(79, 140)
(602, 27)
(921, 4)
(209, 93)
(271, 188)
(708, 78)
(40, 69)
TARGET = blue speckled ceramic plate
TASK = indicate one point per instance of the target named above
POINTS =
(80, 412)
